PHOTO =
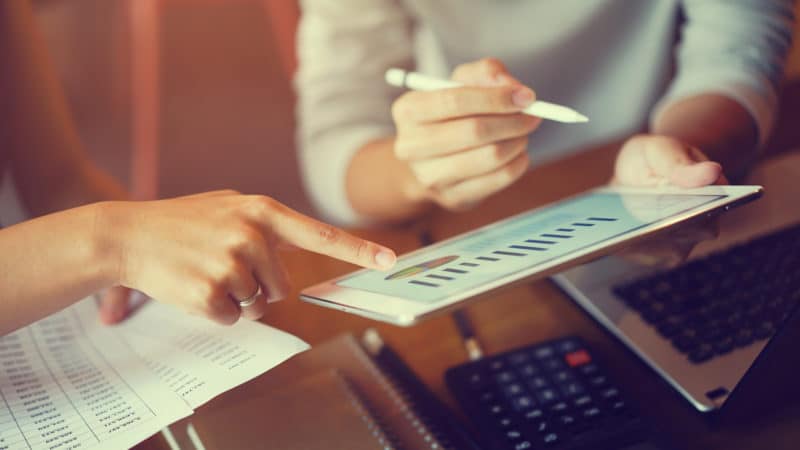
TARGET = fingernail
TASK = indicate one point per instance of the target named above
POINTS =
(275, 299)
(105, 318)
(385, 259)
(271, 296)
(110, 315)
(522, 96)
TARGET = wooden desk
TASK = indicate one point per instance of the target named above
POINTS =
(515, 317)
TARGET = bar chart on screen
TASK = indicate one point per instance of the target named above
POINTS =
(437, 272)
(521, 243)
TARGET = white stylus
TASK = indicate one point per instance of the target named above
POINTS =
(419, 82)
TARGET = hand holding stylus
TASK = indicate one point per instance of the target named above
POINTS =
(465, 143)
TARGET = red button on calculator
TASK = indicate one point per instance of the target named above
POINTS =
(577, 358)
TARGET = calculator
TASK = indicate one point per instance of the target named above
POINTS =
(552, 395)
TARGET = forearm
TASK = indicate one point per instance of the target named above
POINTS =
(52, 261)
(383, 188)
(717, 125)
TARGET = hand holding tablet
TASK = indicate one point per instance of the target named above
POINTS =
(528, 246)
(650, 160)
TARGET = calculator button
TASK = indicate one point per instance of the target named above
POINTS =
(598, 380)
(538, 382)
(582, 401)
(572, 389)
(591, 413)
(505, 377)
(514, 389)
(562, 376)
(547, 395)
(523, 402)
(589, 369)
(550, 439)
(497, 365)
(544, 352)
(553, 364)
(513, 434)
(609, 393)
(568, 345)
(534, 414)
(505, 422)
(518, 358)
(528, 370)
(496, 409)
(618, 406)
(578, 358)
(476, 380)
(559, 407)
(543, 426)
(567, 421)
(488, 396)
(523, 445)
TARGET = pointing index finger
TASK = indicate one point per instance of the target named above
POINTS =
(328, 240)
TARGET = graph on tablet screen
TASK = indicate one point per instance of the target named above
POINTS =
(524, 242)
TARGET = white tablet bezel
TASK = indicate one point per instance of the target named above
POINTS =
(404, 312)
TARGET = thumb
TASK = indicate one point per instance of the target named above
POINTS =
(114, 305)
(695, 174)
(681, 164)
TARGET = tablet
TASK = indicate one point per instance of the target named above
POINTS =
(527, 246)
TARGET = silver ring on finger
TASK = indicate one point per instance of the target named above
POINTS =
(245, 302)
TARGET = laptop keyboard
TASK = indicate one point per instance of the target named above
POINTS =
(729, 299)
(552, 395)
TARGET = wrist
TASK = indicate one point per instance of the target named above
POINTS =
(107, 242)
(719, 126)
(382, 187)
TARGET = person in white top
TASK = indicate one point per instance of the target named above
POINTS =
(686, 82)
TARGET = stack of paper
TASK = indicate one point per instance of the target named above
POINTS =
(68, 382)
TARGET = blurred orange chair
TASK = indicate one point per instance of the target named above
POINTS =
(144, 15)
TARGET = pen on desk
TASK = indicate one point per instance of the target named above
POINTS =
(464, 326)
(420, 82)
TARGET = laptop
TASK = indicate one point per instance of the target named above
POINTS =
(721, 329)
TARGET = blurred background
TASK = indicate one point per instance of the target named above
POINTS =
(223, 117)
(181, 96)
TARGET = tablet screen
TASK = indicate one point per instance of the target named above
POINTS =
(521, 243)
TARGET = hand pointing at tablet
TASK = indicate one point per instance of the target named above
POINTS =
(203, 251)
(213, 254)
